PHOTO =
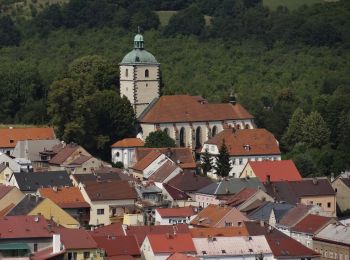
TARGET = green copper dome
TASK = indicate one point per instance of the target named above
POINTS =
(139, 54)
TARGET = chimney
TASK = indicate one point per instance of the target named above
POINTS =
(268, 179)
(232, 99)
(56, 243)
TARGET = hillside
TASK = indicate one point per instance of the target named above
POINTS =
(274, 61)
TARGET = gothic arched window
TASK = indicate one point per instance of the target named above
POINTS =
(182, 137)
(146, 73)
(214, 131)
(198, 137)
(126, 73)
(166, 130)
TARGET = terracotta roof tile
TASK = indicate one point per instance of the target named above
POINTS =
(118, 245)
(190, 109)
(219, 232)
(10, 136)
(4, 190)
(175, 193)
(147, 160)
(63, 152)
(282, 246)
(311, 224)
(180, 155)
(140, 232)
(115, 229)
(110, 190)
(295, 214)
(163, 172)
(171, 243)
(80, 160)
(283, 170)
(247, 142)
(129, 142)
(176, 212)
(23, 227)
(65, 197)
(75, 238)
(241, 196)
(213, 214)
(6, 210)
(189, 181)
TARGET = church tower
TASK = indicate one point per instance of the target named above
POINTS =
(139, 76)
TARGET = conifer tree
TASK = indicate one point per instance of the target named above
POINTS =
(294, 132)
(223, 166)
(207, 162)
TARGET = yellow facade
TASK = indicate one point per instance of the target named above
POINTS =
(5, 175)
(83, 254)
(331, 250)
(50, 210)
(327, 203)
(13, 197)
(343, 194)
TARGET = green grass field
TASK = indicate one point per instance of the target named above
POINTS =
(291, 4)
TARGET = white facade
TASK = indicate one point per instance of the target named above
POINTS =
(9, 162)
(159, 220)
(124, 155)
(237, 162)
(194, 134)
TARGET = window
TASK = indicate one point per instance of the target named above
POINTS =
(319, 204)
(146, 73)
(72, 255)
(329, 204)
(126, 73)
(223, 251)
(240, 161)
(35, 247)
(100, 211)
(228, 224)
(117, 154)
(86, 255)
(7, 164)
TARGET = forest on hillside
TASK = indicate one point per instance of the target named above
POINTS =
(290, 68)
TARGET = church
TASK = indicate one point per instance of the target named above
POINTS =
(189, 120)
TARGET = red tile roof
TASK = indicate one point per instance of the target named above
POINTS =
(175, 193)
(180, 155)
(140, 232)
(6, 210)
(284, 170)
(118, 245)
(110, 190)
(282, 246)
(295, 214)
(146, 161)
(129, 142)
(80, 160)
(241, 196)
(23, 227)
(171, 243)
(10, 136)
(163, 172)
(176, 212)
(46, 253)
(213, 214)
(189, 181)
(311, 224)
(63, 153)
(75, 238)
(115, 229)
(248, 142)
(65, 197)
(190, 109)
(219, 232)
(4, 190)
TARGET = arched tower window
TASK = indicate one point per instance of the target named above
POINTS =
(146, 73)
(126, 73)
(247, 126)
(198, 137)
(182, 137)
(214, 131)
